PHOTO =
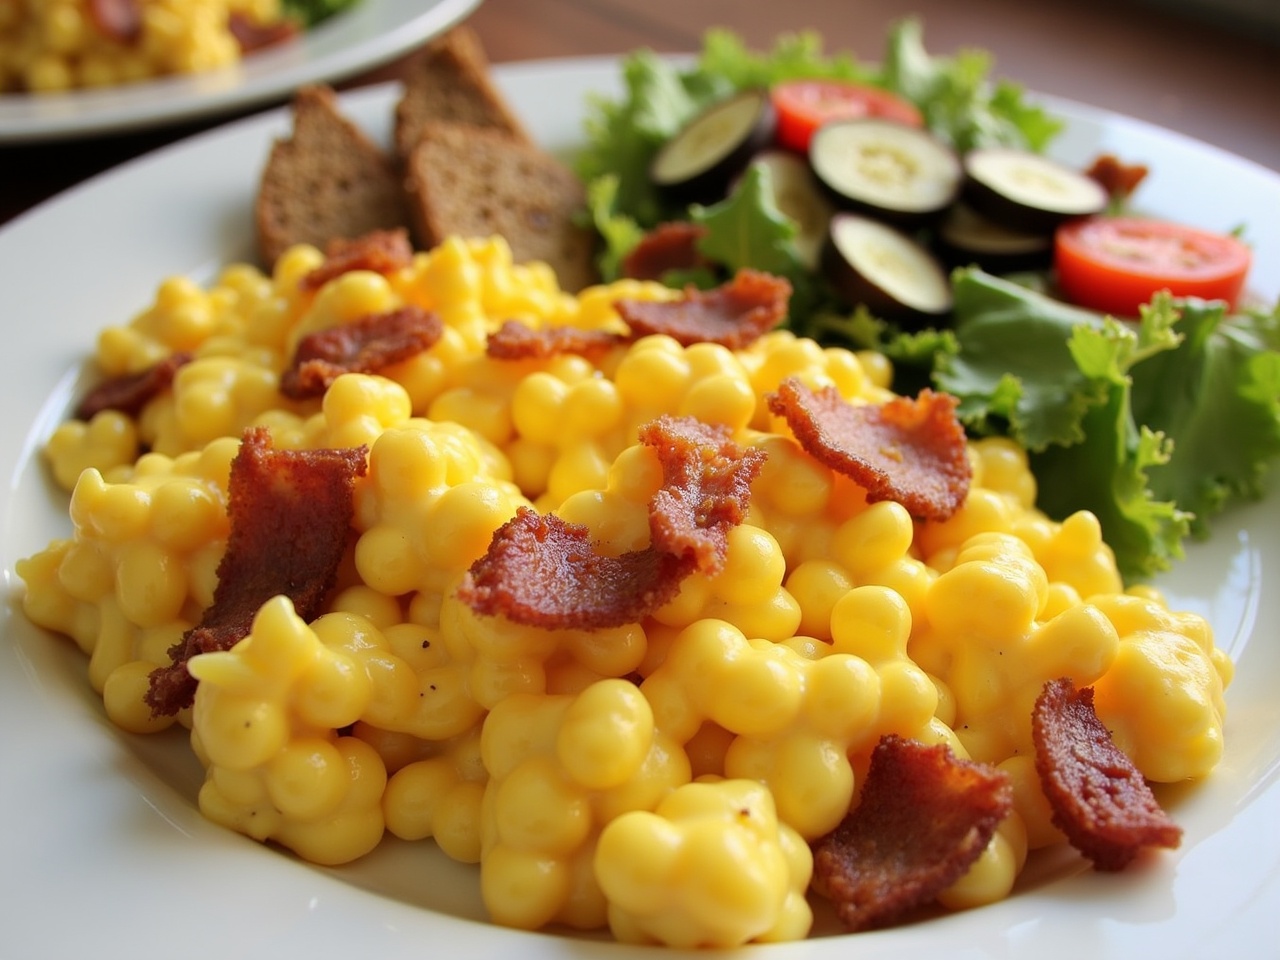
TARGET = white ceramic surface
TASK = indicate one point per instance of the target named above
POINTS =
(366, 36)
(102, 849)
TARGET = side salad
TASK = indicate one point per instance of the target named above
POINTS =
(310, 12)
(1154, 421)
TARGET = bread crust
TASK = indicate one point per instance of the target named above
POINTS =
(449, 80)
(327, 180)
(470, 181)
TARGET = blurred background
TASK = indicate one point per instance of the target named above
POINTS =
(1208, 68)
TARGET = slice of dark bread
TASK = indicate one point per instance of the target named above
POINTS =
(328, 180)
(474, 182)
(449, 80)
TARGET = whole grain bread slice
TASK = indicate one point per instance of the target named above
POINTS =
(473, 182)
(328, 180)
(450, 80)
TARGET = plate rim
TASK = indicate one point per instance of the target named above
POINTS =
(873, 945)
(333, 51)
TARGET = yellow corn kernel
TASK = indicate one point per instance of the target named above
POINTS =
(107, 442)
(1162, 698)
(992, 875)
(708, 868)
(818, 586)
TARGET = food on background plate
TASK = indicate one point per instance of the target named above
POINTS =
(52, 46)
(646, 603)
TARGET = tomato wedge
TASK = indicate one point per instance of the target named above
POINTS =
(804, 105)
(1116, 264)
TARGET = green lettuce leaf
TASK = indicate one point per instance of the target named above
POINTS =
(1108, 471)
(1217, 398)
(958, 101)
(311, 12)
(1013, 370)
(622, 136)
(619, 232)
(746, 229)
(1153, 426)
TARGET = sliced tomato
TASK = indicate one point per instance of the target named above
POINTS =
(1116, 264)
(804, 105)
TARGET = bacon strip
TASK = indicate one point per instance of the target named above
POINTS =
(911, 451)
(515, 341)
(544, 572)
(117, 20)
(1119, 179)
(250, 35)
(734, 314)
(668, 246)
(706, 488)
(924, 817)
(133, 391)
(382, 251)
(290, 513)
(1099, 798)
(367, 345)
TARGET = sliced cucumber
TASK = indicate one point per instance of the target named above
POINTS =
(869, 262)
(964, 237)
(797, 195)
(698, 163)
(899, 173)
(1026, 191)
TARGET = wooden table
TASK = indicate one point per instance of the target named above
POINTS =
(1213, 82)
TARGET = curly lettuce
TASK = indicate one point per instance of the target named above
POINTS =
(1154, 426)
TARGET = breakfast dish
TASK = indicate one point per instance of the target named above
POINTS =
(357, 39)
(1221, 582)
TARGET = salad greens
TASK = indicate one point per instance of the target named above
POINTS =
(311, 12)
(1154, 425)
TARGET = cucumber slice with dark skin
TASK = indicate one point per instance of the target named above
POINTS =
(904, 175)
(1026, 191)
(871, 263)
(698, 163)
(964, 237)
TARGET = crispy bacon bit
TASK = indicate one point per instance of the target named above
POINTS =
(515, 341)
(367, 345)
(924, 817)
(119, 21)
(1099, 798)
(668, 246)
(382, 251)
(734, 314)
(290, 513)
(1119, 179)
(133, 391)
(543, 572)
(912, 451)
(250, 35)
(706, 488)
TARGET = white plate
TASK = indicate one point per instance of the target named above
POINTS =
(101, 845)
(366, 36)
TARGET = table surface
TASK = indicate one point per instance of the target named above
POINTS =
(1211, 80)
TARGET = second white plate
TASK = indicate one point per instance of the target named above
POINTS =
(366, 36)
